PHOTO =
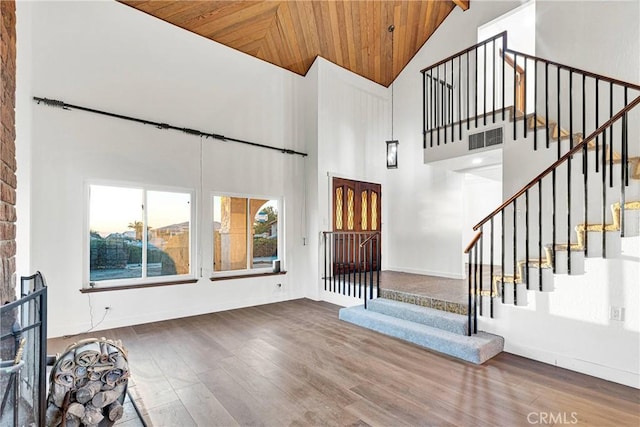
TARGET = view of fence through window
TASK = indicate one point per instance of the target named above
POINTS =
(128, 241)
(245, 233)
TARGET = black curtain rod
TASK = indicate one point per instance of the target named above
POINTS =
(65, 106)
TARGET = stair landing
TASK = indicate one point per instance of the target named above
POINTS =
(440, 293)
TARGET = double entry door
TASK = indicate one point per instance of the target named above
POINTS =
(356, 225)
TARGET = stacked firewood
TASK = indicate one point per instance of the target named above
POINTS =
(88, 384)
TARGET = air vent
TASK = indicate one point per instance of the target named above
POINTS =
(485, 139)
(476, 141)
(493, 137)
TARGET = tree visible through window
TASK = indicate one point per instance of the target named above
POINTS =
(245, 233)
(137, 233)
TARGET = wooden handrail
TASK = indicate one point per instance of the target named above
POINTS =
(369, 238)
(350, 232)
(561, 160)
(511, 62)
(473, 242)
(502, 35)
(576, 70)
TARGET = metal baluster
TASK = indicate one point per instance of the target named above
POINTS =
(611, 135)
(493, 86)
(604, 192)
(535, 104)
(433, 108)
(484, 84)
(468, 90)
(546, 100)
(569, 173)
(540, 234)
(425, 110)
(443, 104)
(559, 112)
(475, 289)
(352, 237)
(526, 239)
(491, 272)
(524, 98)
(585, 165)
(480, 276)
(359, 266)
(515, 250)
(378, 243)
(624, 171)
(502, 252)
(515, 93)
(476, 88)
(469, 306)
(450, 92)
(324, 235)
(553, 217)
(460, 97)
(437, 83)
(597, 125)
(370, 269)
(503, 60)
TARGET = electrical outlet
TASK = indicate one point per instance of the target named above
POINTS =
(617, 313)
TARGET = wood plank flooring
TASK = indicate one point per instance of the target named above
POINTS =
(295, 364)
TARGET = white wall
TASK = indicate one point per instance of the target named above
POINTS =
(570, 326)
(108, 56)
(425, 206)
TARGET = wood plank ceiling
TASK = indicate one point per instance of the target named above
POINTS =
(291, 34)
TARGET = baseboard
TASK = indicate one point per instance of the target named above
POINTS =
(630, 379)
(447, 274)
(148, 317)
(339, 299)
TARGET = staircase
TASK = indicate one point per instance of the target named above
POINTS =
(579, 207)
(437, 330)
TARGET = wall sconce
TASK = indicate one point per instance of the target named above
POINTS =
(392, 146)
(392, 154)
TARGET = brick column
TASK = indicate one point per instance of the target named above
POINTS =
(7, 151)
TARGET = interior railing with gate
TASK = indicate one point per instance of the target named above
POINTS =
(352, 263)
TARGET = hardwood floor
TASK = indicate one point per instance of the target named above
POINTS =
(294, 363)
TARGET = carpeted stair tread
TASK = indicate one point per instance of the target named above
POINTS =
(477, 348)
(451, 322)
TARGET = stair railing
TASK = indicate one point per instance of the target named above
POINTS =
(510, 209)
(352, 263)
(479, 85)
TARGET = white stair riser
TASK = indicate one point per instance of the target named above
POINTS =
(521, 294)
(612, 244)
(547, 279)
(577, 262)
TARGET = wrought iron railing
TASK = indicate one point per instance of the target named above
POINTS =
(547, 102)
(352, 263)
(23, 397)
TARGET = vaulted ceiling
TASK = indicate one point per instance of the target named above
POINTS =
(291, 34)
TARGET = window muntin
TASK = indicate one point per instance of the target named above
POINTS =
(130, 244)
(245, 233)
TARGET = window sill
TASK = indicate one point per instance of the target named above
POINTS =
(142, 285)
(245, 276)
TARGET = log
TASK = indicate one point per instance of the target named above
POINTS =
(72, 421)
(92, 415)
(104, 352)
(53, 415)
(57, 393)
(115, 411)
(67, 380)
(88, 355)
(86, 393)
(67, 364)
(110, 377)
(76, 409)
(104, 398)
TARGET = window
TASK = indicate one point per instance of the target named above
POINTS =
(139, 235)
(245, 232)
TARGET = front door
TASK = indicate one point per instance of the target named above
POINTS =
(356, 224)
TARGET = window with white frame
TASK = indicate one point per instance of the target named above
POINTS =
(139, 235)
(245, 233)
